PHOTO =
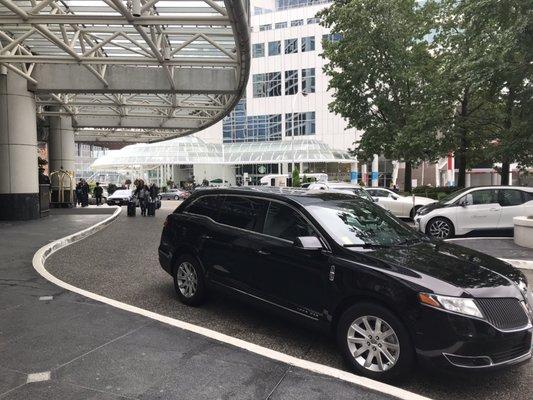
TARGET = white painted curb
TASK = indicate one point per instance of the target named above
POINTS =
(44, 252)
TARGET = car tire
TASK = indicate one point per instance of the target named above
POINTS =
(387, 358)
(440, 228)
(413, 212)
(176, 197)
(189, 281)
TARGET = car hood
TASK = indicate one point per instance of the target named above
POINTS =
(432, 206)
(449, 269)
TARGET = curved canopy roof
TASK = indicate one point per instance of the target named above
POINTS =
(172, 67)
(192, 150)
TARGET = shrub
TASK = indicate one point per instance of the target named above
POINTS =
(434, 192)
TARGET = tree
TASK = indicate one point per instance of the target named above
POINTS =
(382, 73)
(296, 178)
(500, 60)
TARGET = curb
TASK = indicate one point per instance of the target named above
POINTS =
(44, 252)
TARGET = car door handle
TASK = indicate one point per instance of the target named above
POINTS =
(263, 252)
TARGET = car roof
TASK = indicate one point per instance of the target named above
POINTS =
(296, 195)
(526, 188)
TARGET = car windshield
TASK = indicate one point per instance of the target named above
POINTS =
(359, 192)
(358, 223)
(453, 195)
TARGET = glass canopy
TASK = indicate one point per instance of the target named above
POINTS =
(192, 150)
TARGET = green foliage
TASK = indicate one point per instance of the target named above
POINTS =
(296, 178)
(383, 75)
(433, 192)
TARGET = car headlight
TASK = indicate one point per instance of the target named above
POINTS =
(458, 305)
(422, 211)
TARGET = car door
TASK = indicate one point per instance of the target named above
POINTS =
(231, 245)
(512, 203)
(287, 275)
(482, 211)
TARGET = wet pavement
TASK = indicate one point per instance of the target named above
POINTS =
(55, 344)
(121, 262)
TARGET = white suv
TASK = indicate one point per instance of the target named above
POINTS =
(475, 208)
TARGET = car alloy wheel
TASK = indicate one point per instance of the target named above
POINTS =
(187, 279)
(440, 229)
(373, 343)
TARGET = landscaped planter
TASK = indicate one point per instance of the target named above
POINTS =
(523, 231)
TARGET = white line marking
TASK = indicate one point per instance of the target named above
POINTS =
(46, 298)
(44, 252)
(38, 377)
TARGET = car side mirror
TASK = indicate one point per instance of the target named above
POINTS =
(394, 197)
(308, 243)
(468, 200)
(376, 199)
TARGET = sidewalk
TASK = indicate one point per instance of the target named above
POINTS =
(55, 344)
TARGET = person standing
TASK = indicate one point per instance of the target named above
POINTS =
(144, 198)
(78, 192)
(98, 191)
(84, 193)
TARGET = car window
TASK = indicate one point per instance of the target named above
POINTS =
(378, 193)
(205, 205)
(486, 196)
(286, 223)
(510, 197)
(242, 212)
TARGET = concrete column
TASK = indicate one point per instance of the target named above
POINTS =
(468, 179)
(364, 174)
(375, 171)
(19, 182)
(354, 173)
(61, 146)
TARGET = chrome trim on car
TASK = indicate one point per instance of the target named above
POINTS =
(492, 364)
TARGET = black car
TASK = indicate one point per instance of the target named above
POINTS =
(390, 294)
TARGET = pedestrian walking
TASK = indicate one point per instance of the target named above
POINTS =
(144, 198)
(98, 191)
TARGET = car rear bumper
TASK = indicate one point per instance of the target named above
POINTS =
(460, 343)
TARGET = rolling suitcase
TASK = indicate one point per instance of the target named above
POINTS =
(151, 209)
(131, 209)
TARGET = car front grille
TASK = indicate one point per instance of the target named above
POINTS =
(504, 313)
(512, 353)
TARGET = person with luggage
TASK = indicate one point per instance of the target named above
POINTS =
(144, 198)
(84, 193)
(98, 191)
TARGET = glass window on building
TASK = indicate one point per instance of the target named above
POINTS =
(308, 80)
(259, 85)
(297, 22)
(308, 44)
(291, 46)
(274, 48)
(258, 50)
(286, 4)
(311, 21)
(234, 125)
(291, 82)
(266, 27)
(267, 85)
(331, 37)
(280, 25)
(300, 124)
(263, 128)
(274, 84)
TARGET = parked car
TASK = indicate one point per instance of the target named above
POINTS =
(400, 206)
(341, 187)
(337, 262)
(120, 197)
(174, 194)
(475, 208)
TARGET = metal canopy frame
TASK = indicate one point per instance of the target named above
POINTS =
(169, 67)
